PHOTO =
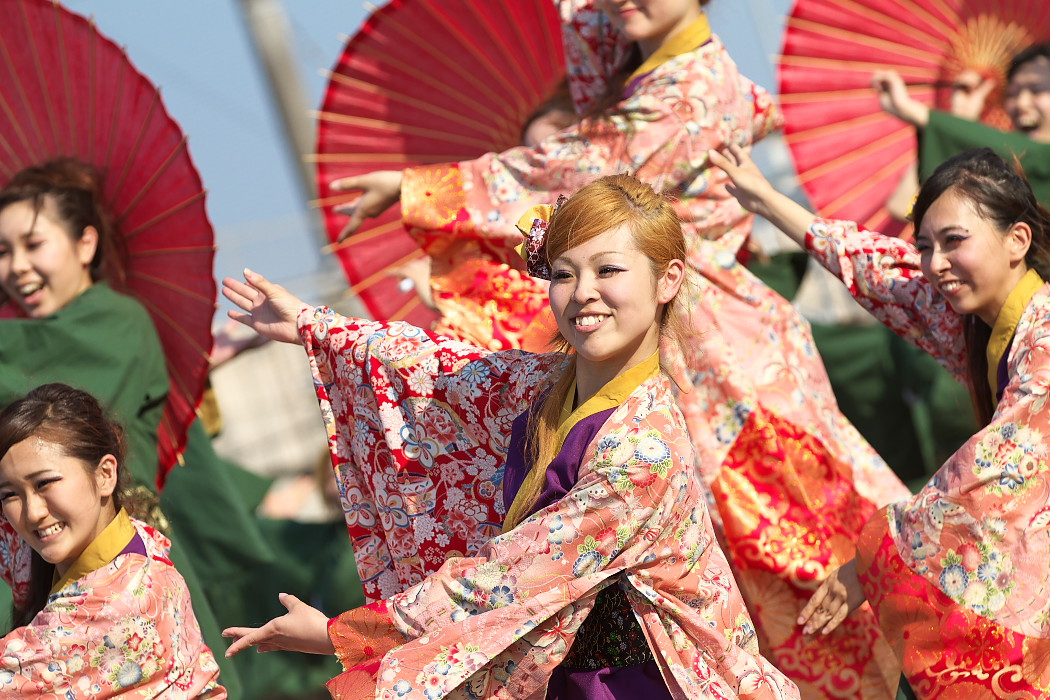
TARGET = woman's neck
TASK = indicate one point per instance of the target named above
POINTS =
(647, 47)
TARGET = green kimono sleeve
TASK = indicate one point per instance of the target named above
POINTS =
(947, 135)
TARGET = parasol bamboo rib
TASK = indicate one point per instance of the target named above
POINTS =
(190, 249)
(453, 66)
(520, 74)
(417, 74)
(882, 172)
(471, 46)
(363, 236)
(407, 307)
(70, 129)
(859, 66)
(173, 287)
(20, 88)
(131, 157)
(179, 150)
(378, 157)
(853, 156)
(112, 140)
(380, 274)
(834, 128)
(852, 193)
(91, 88)
(421, 105)
(909, 8)
(46, 92)
(858, 39)
(534, 67)
(806, 98)
(163, 215)
(393, 127)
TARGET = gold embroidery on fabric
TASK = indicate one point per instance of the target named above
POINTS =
(432, 196)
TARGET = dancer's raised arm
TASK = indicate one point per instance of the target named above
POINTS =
(756, 194)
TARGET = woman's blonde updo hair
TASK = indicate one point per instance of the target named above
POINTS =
(608, 203)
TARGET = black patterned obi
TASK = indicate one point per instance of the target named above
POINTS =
(610, 636)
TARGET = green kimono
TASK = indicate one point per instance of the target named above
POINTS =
(105, 343)
(946, 136)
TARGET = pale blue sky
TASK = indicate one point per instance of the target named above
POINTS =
(198, 52)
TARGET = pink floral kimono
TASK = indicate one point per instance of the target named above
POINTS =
(958, 575)
(792, 479)
(419, 428)
(123, 630)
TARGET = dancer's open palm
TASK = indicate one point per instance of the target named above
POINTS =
(267, 308)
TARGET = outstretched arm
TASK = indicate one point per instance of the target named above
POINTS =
(756, 194)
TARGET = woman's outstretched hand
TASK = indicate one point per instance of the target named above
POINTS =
(380, 190)
(837, 597)
(302, 628)
(894, 98)
(267, 308)
(750, 186)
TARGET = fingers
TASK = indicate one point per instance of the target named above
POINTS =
(239, 293)
(353, 223)
(288, 600)
(815, 603)
(836, 619)
(346, 183)
(244, 637)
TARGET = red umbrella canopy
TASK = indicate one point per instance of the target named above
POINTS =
(427, 81)
(68, 91)
(848, 153)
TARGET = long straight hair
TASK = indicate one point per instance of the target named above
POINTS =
(74, 421)
(1001, 195)
(606, 204)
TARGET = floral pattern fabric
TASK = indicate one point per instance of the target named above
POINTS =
(125, 630)
(975, 540)
(495, 620)
(756, 380)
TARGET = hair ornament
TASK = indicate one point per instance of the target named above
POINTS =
(533, 225)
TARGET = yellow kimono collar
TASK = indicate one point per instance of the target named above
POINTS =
(104, 549)
(609, 396)
(1006, 323)
(689, 39)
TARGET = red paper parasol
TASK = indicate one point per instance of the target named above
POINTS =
(66, 90)
(427, 81)
(850, 155)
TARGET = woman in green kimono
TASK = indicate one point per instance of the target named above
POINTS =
(73, 328)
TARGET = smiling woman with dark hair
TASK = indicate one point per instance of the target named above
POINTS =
(957, 575)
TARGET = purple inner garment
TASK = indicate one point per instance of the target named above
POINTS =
(639, 681)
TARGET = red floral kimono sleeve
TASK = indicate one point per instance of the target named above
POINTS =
(418, 428)
(883, 275)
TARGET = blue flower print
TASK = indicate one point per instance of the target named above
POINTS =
(652, 451)
(129, 674)
(987, 572)
(587, 563)
(954, 580)
(476, 372)
(501, 596)
(402, 688)
(1011, 478)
